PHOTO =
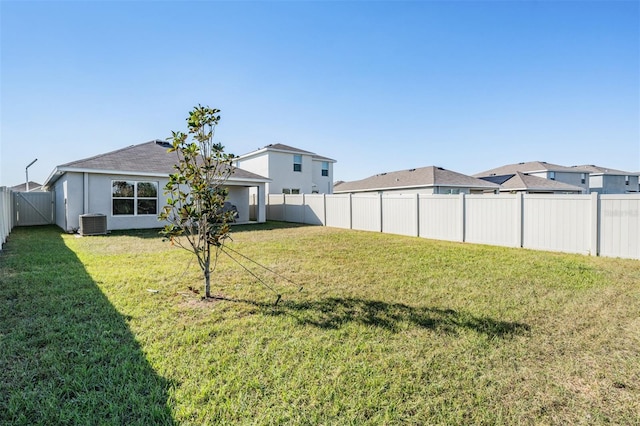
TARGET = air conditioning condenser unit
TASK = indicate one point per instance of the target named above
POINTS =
(93, 224)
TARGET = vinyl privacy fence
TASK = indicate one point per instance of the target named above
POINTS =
(598, 225)
(6, 214)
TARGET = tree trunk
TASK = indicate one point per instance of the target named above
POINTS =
(207, 283)
(207, 273)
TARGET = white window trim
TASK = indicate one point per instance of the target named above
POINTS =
(135, 198)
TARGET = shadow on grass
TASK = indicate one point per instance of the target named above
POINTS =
(154, 233)
(66, 355)
(333, 313)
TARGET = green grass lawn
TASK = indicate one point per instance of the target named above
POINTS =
(371, 329)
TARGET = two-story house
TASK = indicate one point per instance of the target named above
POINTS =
(574, 176)
(290, 170)
(610, 181)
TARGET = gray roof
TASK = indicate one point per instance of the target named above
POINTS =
(283, 147)
(424, 177)
(148, 157)
(519, 181)
(33, 186)
(529, 167)
(286, 148)
(595, 170)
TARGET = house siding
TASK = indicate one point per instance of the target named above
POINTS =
(613, 184)
(282, 175)
(324, 184)
(70, 192)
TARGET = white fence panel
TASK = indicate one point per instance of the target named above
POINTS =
(365, 212)
(314, 209)
(492, 220)
(275, 207)
(440, 217)
(338, 212)
(400, 214)
(294, 208)
(620, 226)
(607, 225)
(6, 214)
(557, 223)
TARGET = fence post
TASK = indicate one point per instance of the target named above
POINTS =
(463, 208)
(324, 209)
(381, 215)
(304, 209)
(595, 224)
(417, 214)
(350, 211)
(284, 207)
(519, 219)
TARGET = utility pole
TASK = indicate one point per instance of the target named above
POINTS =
(26, 171)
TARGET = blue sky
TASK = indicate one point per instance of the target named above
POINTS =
(378, 86)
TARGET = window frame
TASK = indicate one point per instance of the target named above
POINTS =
(325, 168)
(135, 198)
(297, 161)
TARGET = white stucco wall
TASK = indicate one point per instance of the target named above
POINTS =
(324, 184)
(69, 201)
(282, 175)
(91, 194)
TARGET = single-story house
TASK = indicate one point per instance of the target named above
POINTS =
(290, 170)
(528, 184)
(23, 187)
(127, 186)
(611, 181)
(424, 180)
(570, 175)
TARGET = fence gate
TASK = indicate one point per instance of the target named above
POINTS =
(34, 208)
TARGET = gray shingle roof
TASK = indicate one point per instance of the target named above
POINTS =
(148, 157)
(33, 186)
(287, 148)
(423, 177)
(519, 181)
(604, 170)
(283, 147)
(529, 167)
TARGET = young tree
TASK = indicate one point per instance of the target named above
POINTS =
(197, 220)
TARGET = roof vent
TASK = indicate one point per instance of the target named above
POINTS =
(412, 170)
(163, 144)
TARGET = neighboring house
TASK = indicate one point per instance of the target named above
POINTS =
(570, 175)
(290, 170)
(610, 181)
(528, 184)
(424, 180)
(127, 186)
(33, 186)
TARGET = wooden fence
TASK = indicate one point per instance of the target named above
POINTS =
(598, 225)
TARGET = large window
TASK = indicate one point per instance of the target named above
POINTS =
(325, 168)
(134, 198)
(297, 163)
